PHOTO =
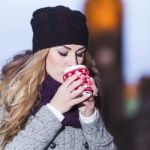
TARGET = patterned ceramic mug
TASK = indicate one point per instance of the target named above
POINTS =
(83, 73)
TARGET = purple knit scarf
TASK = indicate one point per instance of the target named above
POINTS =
(47, 91)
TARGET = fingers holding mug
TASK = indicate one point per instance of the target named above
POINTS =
(94, 87)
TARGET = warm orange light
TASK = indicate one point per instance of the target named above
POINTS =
(103, 14)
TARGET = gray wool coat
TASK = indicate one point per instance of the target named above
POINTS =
(45, 132)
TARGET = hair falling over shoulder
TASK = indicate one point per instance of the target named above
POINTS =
(19, 83)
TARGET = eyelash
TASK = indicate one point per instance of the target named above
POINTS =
(62, 54)
(80, 55)
(65, 54)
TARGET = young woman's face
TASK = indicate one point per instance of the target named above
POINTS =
(61, 57)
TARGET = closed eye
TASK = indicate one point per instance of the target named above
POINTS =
(62, 54)
(80, 55)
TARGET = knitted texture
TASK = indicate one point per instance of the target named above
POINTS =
(55, 26)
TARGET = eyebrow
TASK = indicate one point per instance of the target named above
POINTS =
(70, 48)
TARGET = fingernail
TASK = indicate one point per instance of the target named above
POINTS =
(91, 79)
(88, 94)
(85, 85)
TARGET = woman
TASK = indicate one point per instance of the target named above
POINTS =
(39, 110)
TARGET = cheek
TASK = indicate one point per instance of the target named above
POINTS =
(52, 60)
(54, 63)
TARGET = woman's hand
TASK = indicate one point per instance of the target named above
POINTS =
(66, 97)
(87, 107)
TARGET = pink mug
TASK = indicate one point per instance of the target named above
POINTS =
(83, 73)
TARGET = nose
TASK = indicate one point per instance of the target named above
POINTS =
(73, 60)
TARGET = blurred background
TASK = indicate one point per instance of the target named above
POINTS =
(119, 46)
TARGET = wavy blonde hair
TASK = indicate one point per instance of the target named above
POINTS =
(19, 89)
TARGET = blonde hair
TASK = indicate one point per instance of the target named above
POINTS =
(19, 90)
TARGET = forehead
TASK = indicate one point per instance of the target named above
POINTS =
(69, 47)
(72, 46)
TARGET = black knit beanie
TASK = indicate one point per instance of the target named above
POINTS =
(55, 26)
